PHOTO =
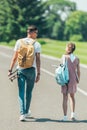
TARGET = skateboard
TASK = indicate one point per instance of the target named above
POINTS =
(13, 75)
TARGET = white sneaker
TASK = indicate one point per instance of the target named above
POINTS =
(73, 116)
(28, 114)
(22, 118)
(65, 118)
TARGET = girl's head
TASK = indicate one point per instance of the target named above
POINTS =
(70, 48)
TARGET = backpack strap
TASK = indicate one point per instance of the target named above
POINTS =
(32, 43)
(65, 61)
(23, 42)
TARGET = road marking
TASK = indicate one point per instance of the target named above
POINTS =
(3, 54)
(80, 90)
(57, 59)
(46, 71)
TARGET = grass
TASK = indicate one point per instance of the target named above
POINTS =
(57, 48)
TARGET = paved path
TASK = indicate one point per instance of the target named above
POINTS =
(46, 103)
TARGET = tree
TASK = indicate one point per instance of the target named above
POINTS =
(32, 12)
(55, 11)
(76, 24)
(18, 15)
(4, 16)
(58, 30)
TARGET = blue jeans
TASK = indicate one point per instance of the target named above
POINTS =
(26, 80)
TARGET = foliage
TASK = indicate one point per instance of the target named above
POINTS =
(18, 15)
(4, 18)
(76, 24)
(58, 30)
(54, 19)
(76, 37)
(56, 13)
(41, 41)
(12, 43)
(62, 5)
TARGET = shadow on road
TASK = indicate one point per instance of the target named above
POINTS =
(51, 120)
(32, 119)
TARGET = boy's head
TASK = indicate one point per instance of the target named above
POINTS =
(32, 28)
(32, 32)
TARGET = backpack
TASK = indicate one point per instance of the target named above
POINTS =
(26, 54)
(62, 74)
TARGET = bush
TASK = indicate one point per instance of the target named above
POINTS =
(12, 43)
(76, 37)
(42, 42)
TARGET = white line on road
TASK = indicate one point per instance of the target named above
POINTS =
(4, 54)
(80, 90)
(46, 71)
(57, 59)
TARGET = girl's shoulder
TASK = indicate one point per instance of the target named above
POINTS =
(64, 56)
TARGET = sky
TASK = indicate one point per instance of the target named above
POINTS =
(81, 4)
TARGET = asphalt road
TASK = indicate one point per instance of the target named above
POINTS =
(46, 106)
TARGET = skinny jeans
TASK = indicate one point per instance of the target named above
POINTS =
(26, 80)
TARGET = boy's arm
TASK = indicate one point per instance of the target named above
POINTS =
(38, 66)
(13, 61)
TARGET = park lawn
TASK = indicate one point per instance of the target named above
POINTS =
(57, 49)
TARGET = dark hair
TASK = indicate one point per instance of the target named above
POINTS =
(74, 47)
(32, 28)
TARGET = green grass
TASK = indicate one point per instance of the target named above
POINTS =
(57, 48)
